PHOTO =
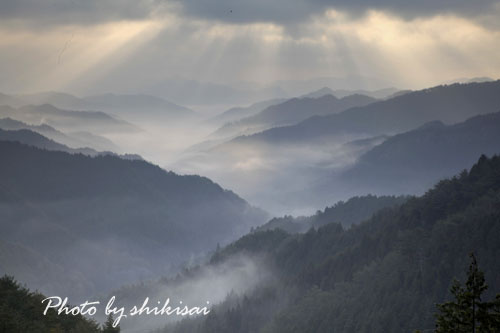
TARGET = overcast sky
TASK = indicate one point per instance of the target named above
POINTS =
(85, 46)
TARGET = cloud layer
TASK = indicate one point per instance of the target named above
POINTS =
(286, 12)
(136, 46)
(290, 12)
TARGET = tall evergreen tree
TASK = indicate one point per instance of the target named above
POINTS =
(467, 312)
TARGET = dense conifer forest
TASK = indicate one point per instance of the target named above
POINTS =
(385, 275)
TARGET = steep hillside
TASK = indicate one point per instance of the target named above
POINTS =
(384, 275)
(413, 161)
(123, 219)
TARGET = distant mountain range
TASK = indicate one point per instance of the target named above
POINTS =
(194, 92)
(34, 139)
(237, 113)
(73, 139)
(450, 104)
(141, 106)
(124, 220)
(470, 80)
(341, 93)
(136, 106)
(292, 111)
(95, 121)
(413, 161)
(293, 162)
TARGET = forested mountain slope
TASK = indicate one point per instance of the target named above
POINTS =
(384, 275)
(123, 219)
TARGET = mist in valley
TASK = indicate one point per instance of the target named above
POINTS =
(194, 286)
(260, 160)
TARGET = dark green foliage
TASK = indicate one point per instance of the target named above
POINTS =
(22, 311)
(468, 312)
(385, 274)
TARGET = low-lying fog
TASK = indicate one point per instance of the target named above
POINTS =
(202, 287)
(276, 178)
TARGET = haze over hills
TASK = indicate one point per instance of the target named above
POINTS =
(73, 139)
(450, 104)
(292, 111)
(341, 93)
(320, 93)
(303, 166)
(140, 106)
(351, 83)
(197, 92)
(470, 80)
(366, 278)
(239, 112)
(58, 99)
(351, 212)
(34, 139)
(134, 106)
(413, 161)
(292, 162)
(276, 178)
(124, 220)
(95, 121)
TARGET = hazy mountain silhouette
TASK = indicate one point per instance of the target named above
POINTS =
(341, 93)
(320, 93)
(450, 104)
(348, 213)
(58, 99)
(413, 161)
(470, 80)
(95, 121)
(351, 83)
(10, 100)
(139, 105)
(36, 140)
(378, 94)
(237, 113)
(292, 111)
(73, 139)
(106, 220)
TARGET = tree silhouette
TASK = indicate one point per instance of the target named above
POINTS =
(108, 326)
(467, 312)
